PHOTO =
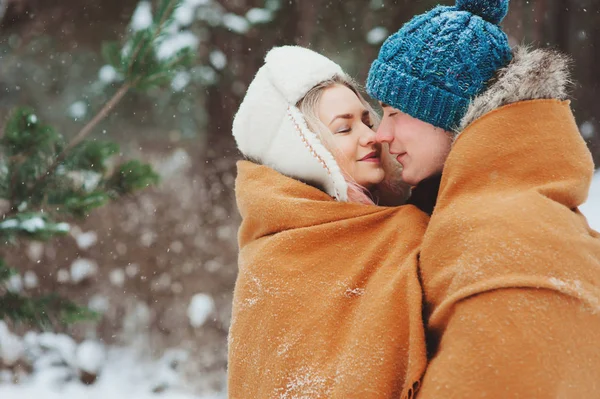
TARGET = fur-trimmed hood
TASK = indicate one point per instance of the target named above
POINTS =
(269, 129)
(531, 75)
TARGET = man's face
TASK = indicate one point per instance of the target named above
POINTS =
(420, 147)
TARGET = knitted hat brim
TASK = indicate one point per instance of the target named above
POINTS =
(415, 97)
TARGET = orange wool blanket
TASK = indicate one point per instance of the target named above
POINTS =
(511, 269)
(327, 303)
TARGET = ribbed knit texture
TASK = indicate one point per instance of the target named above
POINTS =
(433, 66)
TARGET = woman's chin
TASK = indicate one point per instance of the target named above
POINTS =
(369, 182)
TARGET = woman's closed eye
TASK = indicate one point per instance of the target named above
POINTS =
(367, 122)
(344, 129)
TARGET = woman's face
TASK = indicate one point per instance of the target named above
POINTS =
(353, 139)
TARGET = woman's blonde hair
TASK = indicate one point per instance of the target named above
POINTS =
(309, 106)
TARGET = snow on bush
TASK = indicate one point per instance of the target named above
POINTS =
(59, 365)
(175, 43)
(168, 369)
(142, 16)
(591, 209)
(83, 269)
(33, 224)
(9, 224)
(90, 356)
(201, 306)
(259, 16)
(11, 346)
(236, 23)
(63, 227)
(184, 14)
(47, 349)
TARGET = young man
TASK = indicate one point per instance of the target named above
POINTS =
(510, 268)
(425, 77)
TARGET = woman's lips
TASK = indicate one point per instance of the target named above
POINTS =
(371, 157)
(400, 157)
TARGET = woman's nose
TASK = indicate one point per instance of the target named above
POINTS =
(368, 138)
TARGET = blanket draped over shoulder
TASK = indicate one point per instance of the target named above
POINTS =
(327, 303)
(510, 267)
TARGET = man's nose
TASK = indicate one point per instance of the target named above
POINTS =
(384, 134)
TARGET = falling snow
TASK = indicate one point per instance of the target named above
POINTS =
(377, 35)
(108, 74)
(587, 130)
(78, 110)
(200, 308)
(83, 269)
(181, 80)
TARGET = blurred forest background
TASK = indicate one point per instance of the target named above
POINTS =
(152, 253)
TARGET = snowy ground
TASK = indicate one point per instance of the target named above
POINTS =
(591, 209)
(124, 377)
(59, 367)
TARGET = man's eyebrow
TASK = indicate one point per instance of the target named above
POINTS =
(384, 105)
(344, 116)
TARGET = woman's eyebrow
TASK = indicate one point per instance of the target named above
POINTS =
(343, 116)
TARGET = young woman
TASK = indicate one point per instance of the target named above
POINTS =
(324, 305)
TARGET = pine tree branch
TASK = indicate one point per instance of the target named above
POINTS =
(103, 113)
(159, 29)
(83, 133)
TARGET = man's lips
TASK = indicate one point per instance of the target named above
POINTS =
(371, 157)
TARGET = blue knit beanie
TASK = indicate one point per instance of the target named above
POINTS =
(437, 62)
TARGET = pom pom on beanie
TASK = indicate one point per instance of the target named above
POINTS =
(492, 11)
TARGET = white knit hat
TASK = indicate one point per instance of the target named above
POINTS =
(270, 129)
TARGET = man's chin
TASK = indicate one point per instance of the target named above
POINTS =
(410, 180)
